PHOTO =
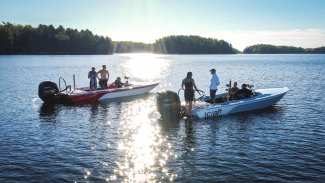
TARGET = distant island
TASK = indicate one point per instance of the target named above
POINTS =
(272, 49)
(177, 44)
(132, 47)
(192, 45)
(48, 40)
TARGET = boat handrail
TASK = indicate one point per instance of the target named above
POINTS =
(66, 86)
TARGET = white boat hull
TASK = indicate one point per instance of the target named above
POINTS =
(129, 91)
(266, 98)
(84, 95)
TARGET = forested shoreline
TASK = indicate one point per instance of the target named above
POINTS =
(177, 44)
(272, 49)
(132, 47)
(48, 40)
(192, 45)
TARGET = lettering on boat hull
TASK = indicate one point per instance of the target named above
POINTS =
(213, 113)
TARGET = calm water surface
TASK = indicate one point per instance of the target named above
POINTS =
(127, 141)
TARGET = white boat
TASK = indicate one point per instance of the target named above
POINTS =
(262, 98)
(50, 93)
(170, 105)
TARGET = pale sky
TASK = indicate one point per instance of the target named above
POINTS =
(240, 22)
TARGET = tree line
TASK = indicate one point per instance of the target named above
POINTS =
(178, 45)
(192, 45)
(272, 49)
(132, 47)
(46, 39)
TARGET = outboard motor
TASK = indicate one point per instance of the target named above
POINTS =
(169, 105)
(49, 92)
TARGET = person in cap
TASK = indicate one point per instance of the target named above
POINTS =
(104, 75)
(92, 75)
(189, 84)
(214, 85)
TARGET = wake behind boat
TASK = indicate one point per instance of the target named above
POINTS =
(50, 93)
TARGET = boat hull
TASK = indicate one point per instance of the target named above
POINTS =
(82, 96)
(127, 92)
(266, 98)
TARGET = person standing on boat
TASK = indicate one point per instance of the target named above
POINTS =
(92, 75)
(104, 75)
(214, 85)
(189, 84)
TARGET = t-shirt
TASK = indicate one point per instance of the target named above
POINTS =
(188, 82)
(118, 83)
(243, 93)
(234, 89)
(214, 82)
(92, 75)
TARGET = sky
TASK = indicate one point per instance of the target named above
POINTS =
(240, 22)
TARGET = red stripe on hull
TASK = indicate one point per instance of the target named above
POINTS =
(89, 97)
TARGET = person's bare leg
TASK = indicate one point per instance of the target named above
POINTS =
(190, 109)
(186, 107)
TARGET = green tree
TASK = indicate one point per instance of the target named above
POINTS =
(181, 44)
(18, 39)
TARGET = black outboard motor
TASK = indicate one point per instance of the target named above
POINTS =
(169, 105)
(49, 92)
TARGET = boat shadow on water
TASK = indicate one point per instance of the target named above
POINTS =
(49, 110)
(97, 109)
(49, 113)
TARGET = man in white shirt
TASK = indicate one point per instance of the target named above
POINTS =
(214, 85)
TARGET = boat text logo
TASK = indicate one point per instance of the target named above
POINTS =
(213, 113)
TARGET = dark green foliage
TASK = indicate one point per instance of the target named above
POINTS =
(18, 39)
(271, 49)
(132, 47)
(192, 45)
(319, 50)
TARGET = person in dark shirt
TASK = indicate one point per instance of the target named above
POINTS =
(243, 93)
(92, 75)
(233, 90)
(118, 82)
(189, 84)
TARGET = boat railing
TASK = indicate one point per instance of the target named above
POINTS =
(66, 86)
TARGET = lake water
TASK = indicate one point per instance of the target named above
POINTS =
(127, 141)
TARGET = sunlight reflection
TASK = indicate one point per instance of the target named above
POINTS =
(145, 66)
(144, 150)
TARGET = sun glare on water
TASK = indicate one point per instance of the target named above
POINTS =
(145, 66)
(144, 150)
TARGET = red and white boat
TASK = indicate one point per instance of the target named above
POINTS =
(50, 93)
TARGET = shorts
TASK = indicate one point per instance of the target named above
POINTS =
(213, 94)
(189, 95)
(93, 83)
